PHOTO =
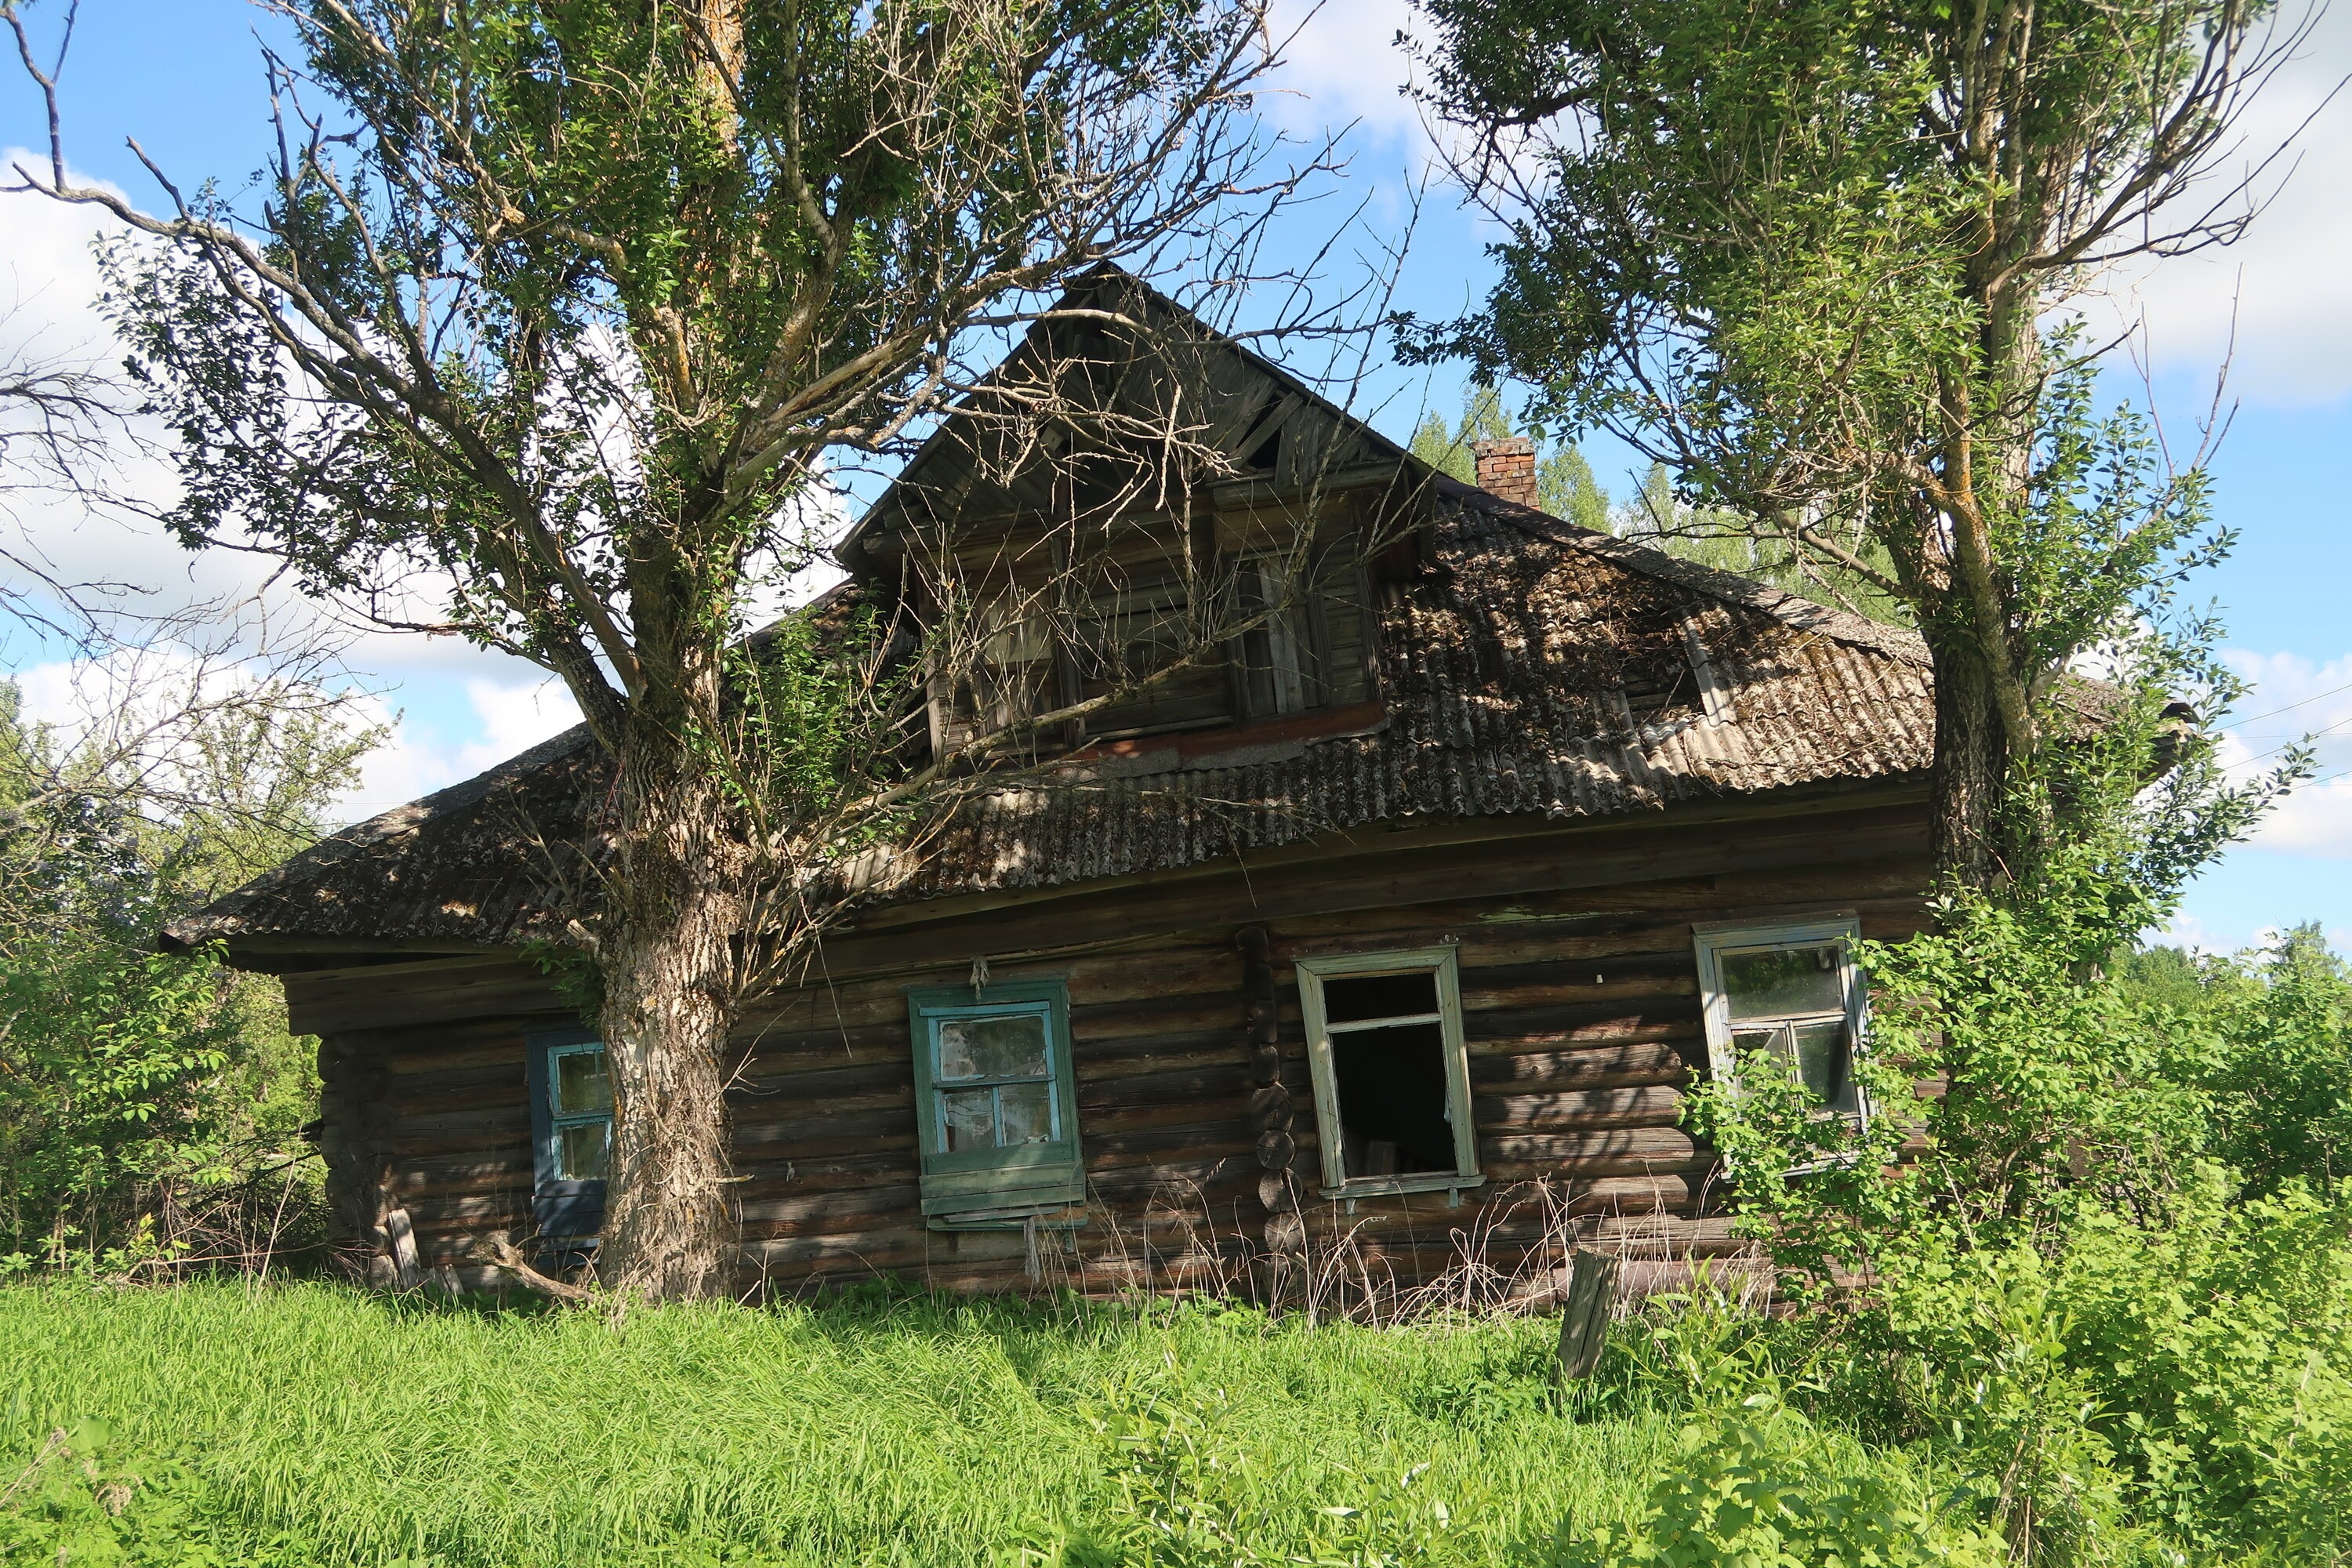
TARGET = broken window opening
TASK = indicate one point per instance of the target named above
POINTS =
(1392, 1075)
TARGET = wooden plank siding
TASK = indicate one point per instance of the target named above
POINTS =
(1581, 1010)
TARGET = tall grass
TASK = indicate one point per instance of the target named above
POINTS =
(356, 1428)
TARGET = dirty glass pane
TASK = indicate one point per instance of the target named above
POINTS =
(1011, 1045)
(1821, 1059)
(584, 1150)
(583, 1086)
(968, 1120)
(1024, 1113)
(1817, 1052)
(1784, 983)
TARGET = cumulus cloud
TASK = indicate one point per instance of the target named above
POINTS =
(505, 716)
(452, 709)
(1341, 65)
(2277, 304)
(2293, 698)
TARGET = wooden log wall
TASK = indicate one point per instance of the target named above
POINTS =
(1194, 1104)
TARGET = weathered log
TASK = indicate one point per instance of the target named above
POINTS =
(1584, 1316)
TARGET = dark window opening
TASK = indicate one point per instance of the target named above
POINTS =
(1388, 1059)
(1353, 1000)
(1391, 1083)
(1268, 454)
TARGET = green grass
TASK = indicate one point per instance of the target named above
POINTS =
(310, 1423)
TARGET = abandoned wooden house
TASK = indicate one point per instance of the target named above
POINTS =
(1411, 921)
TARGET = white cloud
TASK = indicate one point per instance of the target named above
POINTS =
(1340, 64)
(2293, 698)
(452, 709)
(2287, 286)
(506, 717)
(2277, 305)
(2187, 930)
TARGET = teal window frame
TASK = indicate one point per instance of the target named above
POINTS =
(1002, 1188)
(565, 1209)
(1442, 965)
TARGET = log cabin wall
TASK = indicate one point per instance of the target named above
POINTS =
(1580, 1008)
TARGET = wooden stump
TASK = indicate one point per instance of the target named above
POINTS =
(1584, 1316)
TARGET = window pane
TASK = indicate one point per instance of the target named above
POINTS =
(583, 1152)
(1784, 983)
(1816, 1051)
(1018, 642)
(1821, 1060)
(1024, 1113)
(968, 1120)
(1349, 1000)
(1011, 1045)
(583, 1086)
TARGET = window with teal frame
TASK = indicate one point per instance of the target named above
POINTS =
(572, 1133)
(994, 1106)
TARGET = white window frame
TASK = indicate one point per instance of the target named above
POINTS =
(1717, 938)
(1445, 964)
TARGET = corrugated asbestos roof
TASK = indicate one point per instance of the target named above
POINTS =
(1534, 668)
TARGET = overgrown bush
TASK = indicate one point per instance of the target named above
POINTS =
(2104, 1263)
(151, 1103)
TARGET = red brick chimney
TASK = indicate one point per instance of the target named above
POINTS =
(1507, 469)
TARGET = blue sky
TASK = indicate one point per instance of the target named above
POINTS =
(183, 76)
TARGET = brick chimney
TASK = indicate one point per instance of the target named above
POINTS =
(1507, 469)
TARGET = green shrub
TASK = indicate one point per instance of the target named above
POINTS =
(1761, 1486)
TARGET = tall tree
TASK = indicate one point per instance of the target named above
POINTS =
(1806, 254)
(564, 302)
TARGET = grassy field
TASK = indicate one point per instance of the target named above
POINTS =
(308, 1422)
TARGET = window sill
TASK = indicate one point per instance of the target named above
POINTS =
(1043, 1219)
(1348, 1192)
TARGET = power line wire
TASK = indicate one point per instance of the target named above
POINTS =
(2291, 707)
(2274, 751)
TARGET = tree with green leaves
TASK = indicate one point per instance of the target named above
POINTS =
(1727, 541)
(150, 1100)
(540, 333)
(1809, 256)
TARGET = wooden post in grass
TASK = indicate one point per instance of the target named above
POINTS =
(1584, 1318)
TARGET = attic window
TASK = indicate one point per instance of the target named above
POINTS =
(1651, 693)
(1392, 1075)
(1014, 673)
(1141, 633)
(1267, 454)
(1278, 658)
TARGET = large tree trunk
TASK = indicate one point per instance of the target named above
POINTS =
(1971, 769)
(666, 957)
